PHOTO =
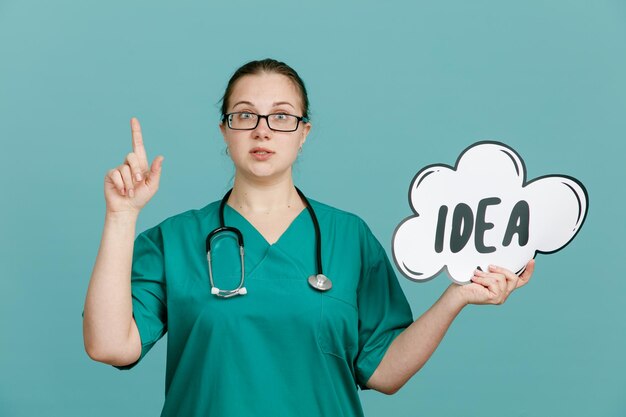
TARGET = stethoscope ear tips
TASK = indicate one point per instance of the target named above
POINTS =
(239, 291)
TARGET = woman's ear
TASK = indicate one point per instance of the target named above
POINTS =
(223, 130)
(306, 128)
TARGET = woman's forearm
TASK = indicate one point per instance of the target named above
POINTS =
(108, 304)
(413, 347)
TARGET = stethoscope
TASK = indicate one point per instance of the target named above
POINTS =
(319, 281)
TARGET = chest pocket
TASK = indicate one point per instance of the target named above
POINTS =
(338, 334)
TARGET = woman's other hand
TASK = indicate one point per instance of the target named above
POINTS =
(494, 286)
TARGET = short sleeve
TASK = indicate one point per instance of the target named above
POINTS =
(148, 290)
(384, 311)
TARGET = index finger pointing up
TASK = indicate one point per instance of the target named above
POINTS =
(138, 147)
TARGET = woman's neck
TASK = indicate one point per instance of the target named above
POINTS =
(264, 197)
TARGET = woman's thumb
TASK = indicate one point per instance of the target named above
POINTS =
(155, 172)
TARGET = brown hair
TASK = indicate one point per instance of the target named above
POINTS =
(267, 65)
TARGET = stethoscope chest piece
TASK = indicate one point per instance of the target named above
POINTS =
(320, 282)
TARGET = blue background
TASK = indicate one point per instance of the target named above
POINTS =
(393, 86)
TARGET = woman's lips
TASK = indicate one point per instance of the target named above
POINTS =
(261, 154)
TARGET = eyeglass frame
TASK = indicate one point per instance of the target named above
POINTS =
(299, 119)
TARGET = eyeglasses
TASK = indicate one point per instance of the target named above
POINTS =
(280, 122)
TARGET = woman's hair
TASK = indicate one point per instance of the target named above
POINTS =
(267, 65)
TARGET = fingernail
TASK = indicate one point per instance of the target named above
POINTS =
(131, 192)
(138, 176)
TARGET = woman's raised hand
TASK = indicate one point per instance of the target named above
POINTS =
(128, 187)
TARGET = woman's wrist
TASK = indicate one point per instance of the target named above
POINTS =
(121, 217)
(454, 297)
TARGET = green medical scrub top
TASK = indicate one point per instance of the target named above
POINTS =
(284, 349)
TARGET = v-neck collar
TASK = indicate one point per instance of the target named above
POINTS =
(256, 232)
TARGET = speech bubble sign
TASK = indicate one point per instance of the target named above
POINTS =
(482, 211)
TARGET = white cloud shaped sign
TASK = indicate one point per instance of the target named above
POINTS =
(483, 211)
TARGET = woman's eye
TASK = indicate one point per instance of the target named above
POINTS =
(280, 116)
(245, 115)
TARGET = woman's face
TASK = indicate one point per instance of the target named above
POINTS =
(262, 153)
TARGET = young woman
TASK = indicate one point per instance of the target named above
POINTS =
(261, 331)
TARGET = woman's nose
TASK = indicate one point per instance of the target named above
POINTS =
(262, 129)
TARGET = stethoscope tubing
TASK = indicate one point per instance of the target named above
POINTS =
(318, 281)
